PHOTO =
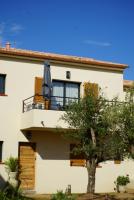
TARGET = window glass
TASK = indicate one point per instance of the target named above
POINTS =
(2, 83)
(72, 92)
(58, 93)
(1, 143)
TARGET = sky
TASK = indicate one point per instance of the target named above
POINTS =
(99, 29)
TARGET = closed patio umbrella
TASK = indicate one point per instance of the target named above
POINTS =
(46, 84)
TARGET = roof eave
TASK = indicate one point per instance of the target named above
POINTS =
(60, 58)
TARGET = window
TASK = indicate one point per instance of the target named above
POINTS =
(2, 83)
(63, 93)
(1, 144)
(75, 159)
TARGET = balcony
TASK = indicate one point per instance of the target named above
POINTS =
(39, 113)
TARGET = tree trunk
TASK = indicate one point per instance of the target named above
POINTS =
(91, 169)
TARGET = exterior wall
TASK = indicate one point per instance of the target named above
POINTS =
(106, 175)
(53, 165)
(52, 172)
(111, 83)
(19, 85)
(52, 156)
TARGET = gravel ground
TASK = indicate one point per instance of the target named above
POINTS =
(110, 196)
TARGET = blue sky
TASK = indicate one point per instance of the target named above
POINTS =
(99, 29)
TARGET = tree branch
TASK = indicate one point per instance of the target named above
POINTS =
(93, 137)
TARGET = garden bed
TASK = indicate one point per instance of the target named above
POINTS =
(109, 196)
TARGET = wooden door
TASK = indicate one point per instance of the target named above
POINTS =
(27, 165)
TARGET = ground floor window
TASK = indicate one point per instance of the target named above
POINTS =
(2, 83)
(1, 145)
(76, 159)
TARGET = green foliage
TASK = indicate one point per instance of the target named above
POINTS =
(112, 123)
(128, 121)
(62, 196)
(91, 114)
(11, 164)
(11, 194)
(102, 129)
(3, 196)
(122, 180)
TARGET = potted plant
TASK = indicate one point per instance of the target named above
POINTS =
(11, 165)
(121, 182)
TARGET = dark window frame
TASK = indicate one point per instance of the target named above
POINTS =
(66, 82)
(2, 90)
(1, 150)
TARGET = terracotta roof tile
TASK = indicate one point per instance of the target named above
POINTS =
(59, 57)
(128, 83)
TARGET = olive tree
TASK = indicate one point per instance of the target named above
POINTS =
(103, 130)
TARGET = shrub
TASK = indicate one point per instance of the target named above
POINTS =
(3, 196)
(11, 164)
(9, 193)
(62, 196)
(122, 180)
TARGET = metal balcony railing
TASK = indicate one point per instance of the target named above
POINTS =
(55, 103)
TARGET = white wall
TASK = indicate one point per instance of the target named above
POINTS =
(53, 170)
(110, 82)
(19, 85)
(106, 175)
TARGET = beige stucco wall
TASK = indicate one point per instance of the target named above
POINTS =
(19, 85)
(110, 82)
(51, 174)
(53, 170)
(53, 165)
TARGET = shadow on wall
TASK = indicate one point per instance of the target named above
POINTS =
(50, 145)
(2, 182)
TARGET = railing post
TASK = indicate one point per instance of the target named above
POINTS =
(23, 106)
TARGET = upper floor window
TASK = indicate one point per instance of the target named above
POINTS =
(2, 83)
(1, 144)
(63, 93)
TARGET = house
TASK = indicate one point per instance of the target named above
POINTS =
(28, 124)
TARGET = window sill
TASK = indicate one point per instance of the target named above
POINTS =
(4, 95)
(98, 166)
(78, 162)
(117, 162)
(1, 163)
